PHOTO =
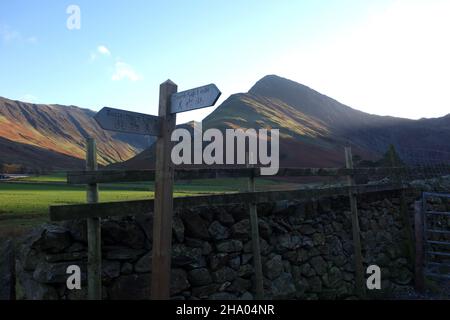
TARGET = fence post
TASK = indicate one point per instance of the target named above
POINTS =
(93, 230)
(403, 207)
(259, 285)
(419, 258)
(163, 211)
(359, 269)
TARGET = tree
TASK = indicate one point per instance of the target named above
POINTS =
(390, 158)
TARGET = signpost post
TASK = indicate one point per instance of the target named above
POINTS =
(162, 215)
(170, 103)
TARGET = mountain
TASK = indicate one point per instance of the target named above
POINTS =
(308, 121)
(314, 128)
(37, 137)
(146, 159)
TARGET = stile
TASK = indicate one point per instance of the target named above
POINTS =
(163, 209)
(93, 230)
(359, 269)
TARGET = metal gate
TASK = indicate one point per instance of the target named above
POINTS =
(436, 235)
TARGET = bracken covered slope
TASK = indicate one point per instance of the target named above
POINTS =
(30, 133)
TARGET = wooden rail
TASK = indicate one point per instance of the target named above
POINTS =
(107, 176)
(137, 207)
(84, 177)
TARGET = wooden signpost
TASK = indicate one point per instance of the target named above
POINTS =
(170, 103)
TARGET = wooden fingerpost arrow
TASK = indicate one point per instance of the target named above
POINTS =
(196, 98)
(163, 211)
(128, 122)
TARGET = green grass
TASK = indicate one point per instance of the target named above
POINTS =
(35, 198)
(54, 177)
(25, 203)
(201, 186)
(23, 199)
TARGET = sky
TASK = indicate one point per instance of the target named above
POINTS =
(386, 57)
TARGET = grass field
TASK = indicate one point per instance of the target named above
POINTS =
(25, 202)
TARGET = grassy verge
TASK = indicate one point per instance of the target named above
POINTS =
(24, 203)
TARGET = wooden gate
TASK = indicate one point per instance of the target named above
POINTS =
(432, 223)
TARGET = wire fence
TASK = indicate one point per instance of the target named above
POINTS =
(426, 164)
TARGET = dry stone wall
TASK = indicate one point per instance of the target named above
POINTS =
(307, 252)
(7, 270)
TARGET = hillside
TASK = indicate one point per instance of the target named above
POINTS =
(146, 159)
(314, 128)
(52, 137)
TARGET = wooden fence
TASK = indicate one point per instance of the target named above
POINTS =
(93, 211)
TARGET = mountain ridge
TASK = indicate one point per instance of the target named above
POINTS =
(314, 128)
(61, 130)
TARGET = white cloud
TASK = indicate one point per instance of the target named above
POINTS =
(9, 35)
(125, 71)
(122, 70)
(103, 50)
(394, 63)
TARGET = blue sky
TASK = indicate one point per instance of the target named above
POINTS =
(388, 57)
